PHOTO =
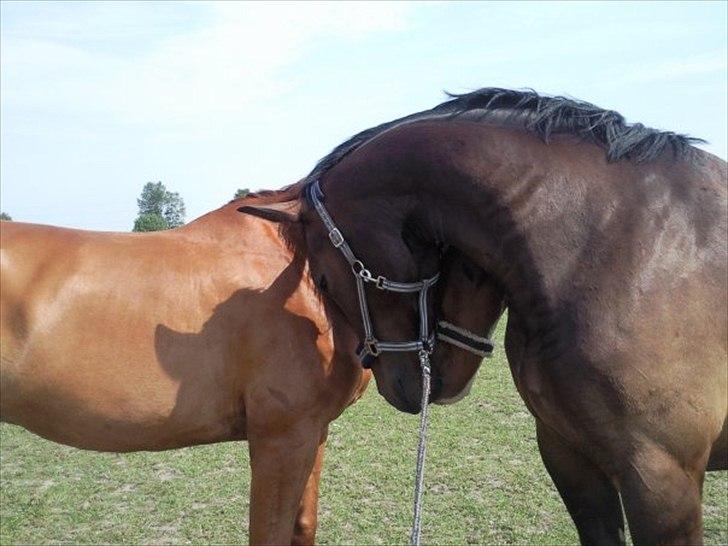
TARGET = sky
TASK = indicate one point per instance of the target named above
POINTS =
(98, 98)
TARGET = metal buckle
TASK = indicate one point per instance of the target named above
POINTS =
(380, 282)
(337, 239)
(371, 345)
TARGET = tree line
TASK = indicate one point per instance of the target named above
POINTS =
(159, 208)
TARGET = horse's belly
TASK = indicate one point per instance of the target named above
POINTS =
(114, 420)
(118, 400)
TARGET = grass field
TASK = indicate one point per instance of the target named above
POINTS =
(485, 483)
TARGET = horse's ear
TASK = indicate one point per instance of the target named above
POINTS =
(284, 212)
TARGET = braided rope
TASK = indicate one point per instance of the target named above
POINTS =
(421, 448)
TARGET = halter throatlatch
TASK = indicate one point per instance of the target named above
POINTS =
(371, 347)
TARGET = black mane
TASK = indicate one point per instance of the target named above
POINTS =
(544, 116)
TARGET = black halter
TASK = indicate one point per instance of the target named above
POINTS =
(370, 348)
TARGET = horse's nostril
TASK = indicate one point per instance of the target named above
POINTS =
(408, 395)
(401, 391)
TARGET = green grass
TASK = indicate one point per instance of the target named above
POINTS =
(485, 483)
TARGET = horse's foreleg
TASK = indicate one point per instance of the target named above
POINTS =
(281, 464)
(662, 499)
(304, 531)
(589, 496)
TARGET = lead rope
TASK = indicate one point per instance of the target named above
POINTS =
(421, 448)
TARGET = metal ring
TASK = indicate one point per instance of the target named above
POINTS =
(360, 271)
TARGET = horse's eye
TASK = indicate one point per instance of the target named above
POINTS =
(469, 272)
(322, 284)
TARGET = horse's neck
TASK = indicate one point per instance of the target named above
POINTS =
(227, 226)
(533, 224)
(555, 223)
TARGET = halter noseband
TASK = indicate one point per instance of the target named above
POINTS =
(371, 347)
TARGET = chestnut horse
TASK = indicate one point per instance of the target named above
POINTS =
(609, 243)
(207, 333)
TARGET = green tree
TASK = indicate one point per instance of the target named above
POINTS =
(150, 221)
(242, 192)
(5, 216)
(159, 208)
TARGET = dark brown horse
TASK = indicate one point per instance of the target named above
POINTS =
(207, 333)
(609, 242)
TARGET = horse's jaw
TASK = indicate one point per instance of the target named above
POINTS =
(459, 396)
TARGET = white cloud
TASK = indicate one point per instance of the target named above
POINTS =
(674, 69)
(664, 72)
(198, 77)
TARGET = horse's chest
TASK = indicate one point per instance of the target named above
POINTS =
(547, 397)
(527, 376)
